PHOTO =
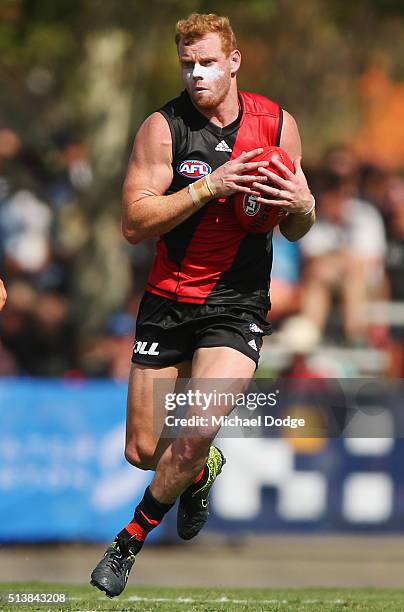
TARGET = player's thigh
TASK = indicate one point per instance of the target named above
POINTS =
(222, 362)
(219, 374)
(221, 369)
(227, 354)
(144, 419)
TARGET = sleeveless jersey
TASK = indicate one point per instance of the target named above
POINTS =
(209, 258)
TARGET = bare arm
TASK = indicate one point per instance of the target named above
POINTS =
(3, 294)
(146, 211)
(291, 191)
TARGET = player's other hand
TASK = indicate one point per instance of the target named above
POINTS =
(235, 175)
(3, 294)
(289, 191)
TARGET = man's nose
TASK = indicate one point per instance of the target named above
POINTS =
(197, 73)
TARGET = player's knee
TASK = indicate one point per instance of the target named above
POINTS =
(192, 452)
(140, 456)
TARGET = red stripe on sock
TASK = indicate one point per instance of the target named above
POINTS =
(149, 520)
(136, 531)
(197, 479)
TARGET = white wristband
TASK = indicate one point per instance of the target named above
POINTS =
(308, 212)
(201, 191)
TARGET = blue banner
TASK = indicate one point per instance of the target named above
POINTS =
(303, 484)
(63, 475)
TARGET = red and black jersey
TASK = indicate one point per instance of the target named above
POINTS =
(208, 258)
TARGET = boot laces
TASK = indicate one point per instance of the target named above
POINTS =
(115, 561)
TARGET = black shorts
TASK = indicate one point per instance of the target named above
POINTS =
(168, 332)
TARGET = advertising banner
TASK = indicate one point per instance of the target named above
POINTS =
(63, 475)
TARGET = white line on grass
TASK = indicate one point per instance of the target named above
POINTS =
(225, 599)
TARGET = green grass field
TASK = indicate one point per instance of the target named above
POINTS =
(84, 598)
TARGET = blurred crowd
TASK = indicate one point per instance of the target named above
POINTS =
(43, 234)
(345, 278)
(352, 258)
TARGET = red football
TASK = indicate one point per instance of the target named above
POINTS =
(253, 216)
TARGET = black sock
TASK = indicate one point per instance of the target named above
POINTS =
(148, 514)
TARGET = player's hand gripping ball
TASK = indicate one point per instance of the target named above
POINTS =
(259, 218)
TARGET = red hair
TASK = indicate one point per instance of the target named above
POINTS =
(197, 25)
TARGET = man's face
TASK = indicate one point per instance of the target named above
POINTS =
(334, 204)
(206, 71)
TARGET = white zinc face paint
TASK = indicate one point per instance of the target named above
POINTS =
(209, 74)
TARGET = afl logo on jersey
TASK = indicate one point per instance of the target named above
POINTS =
(192, 168)
(250, 205)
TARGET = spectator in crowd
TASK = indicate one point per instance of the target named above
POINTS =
(25, 226)
(37, 331)
(25, 219)
(73, 173)
(108, 354)
(372, 186)
(10, 145)
(395, 265)
(343, 253)
(395, 234)
(285, 278)
(342, 160)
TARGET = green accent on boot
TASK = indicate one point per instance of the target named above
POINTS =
(193, 509)
(214, 464)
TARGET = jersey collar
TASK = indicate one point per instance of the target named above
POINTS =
(204, 122)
